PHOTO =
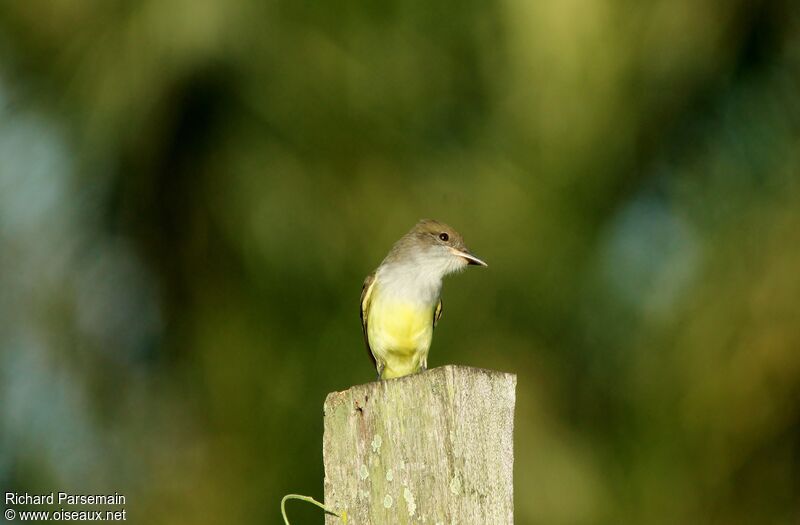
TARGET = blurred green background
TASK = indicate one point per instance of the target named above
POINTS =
(191, 192)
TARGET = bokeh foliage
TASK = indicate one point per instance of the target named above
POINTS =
(191, 193)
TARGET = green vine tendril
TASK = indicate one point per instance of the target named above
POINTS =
(309, 499)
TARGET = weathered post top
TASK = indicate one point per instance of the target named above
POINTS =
(435, 448)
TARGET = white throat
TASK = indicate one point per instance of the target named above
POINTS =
(417, 280)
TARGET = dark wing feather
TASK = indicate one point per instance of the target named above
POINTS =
(366, 296)
(437, 313)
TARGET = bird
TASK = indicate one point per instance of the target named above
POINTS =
(401, 300)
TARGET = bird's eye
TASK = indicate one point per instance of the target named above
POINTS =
(443, 236)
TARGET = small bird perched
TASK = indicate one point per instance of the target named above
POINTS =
(401, 300)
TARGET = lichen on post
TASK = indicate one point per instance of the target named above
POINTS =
(434, 447)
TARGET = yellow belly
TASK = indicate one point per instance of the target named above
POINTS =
(400, 336)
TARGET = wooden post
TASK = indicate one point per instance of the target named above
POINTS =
(433, 448)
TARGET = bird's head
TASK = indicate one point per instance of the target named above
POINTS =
(435, 246)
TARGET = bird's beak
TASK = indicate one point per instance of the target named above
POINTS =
(471, 259)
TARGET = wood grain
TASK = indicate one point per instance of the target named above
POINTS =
(435, 447)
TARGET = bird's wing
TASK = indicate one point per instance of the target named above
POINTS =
(437, 313)
(366, 296)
